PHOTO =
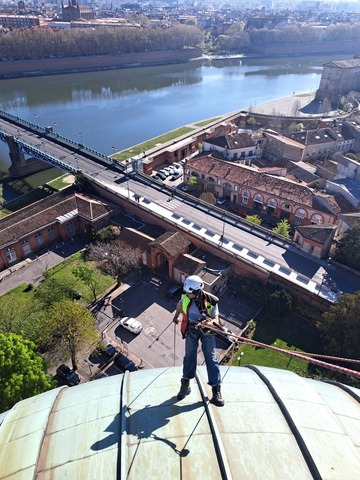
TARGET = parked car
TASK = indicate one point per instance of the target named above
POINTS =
(176, 176)
(125, 363)
(131, 324)
(109, 349)
(68, 376)
(174, 291)
(177, 165)
(237, 210)
(160, 175)
(164, 172)
(185, 188)
(221, 201)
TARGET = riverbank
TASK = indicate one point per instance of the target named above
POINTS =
(56, 66)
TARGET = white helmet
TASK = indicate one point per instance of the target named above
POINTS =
(193, 284)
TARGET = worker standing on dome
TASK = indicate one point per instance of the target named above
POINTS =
(195, 306)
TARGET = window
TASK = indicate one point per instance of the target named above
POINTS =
(245, 197)
(26, 247)
(51, 232)
(258, 201)
(39, 239)
(317, 219)
(10, 255)
(299, 216)
(286, 206)
(271, 206)
(70, 228)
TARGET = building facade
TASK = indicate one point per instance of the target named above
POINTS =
(263, 193)
(338, 79)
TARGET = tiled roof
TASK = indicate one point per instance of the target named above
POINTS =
(232, 142)
(172, 242)
(317, 233)
(279, 187)
(188, 264)
(314, 137)
(46, 211)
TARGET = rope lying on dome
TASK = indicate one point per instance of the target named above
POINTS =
(211, 325)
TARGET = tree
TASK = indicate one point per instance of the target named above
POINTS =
(208, 197)
(279, 302)
(194, 183)
(88, 276)
(283, 228)
(72, 328)
(253, 219)
(340, 327)
(348, 248)
(107, 234)
(22, 371)
(52, 290)
(115, 258)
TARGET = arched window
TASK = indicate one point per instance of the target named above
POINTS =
(195, 174)
(286, 206)
(317, 219)
(245, 197)
(300, 214)
(271, 206)
(211, 180)
(227, 190)
(258, 201)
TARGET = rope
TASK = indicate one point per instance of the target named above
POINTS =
(291, 353)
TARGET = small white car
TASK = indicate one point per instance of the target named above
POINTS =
(131, 324)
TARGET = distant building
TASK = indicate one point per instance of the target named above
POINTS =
(74, 12)
(19, 21)
(338, 79)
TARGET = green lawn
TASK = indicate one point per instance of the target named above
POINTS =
(63, 271)
(143, 147)
(290, 333)
(207, 122)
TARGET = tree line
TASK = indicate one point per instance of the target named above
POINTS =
(238, 40)
(40, 43)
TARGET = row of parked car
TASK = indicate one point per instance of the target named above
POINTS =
(173, 171)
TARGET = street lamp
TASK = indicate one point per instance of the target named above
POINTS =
(81, 142)
(239, 358)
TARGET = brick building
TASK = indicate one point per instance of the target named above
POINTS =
(263, 193)
(74, 11)
(53, 220)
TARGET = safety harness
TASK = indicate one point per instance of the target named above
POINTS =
(205, 303)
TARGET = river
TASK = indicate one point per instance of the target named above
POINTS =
(120, 108)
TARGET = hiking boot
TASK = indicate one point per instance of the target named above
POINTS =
(184, 389)
(217, 398)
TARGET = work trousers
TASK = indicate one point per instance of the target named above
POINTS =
(208, 345)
